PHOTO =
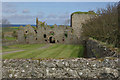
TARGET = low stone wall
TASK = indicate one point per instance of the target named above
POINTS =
(84, 69)
(97, 49)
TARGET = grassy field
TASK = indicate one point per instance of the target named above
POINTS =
(36, 51)
(9, 29)
(10, 38)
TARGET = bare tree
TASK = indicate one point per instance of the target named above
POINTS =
(118, 35)
(5, 22)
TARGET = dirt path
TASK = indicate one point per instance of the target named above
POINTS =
(12, 51)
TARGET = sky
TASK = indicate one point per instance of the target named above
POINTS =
(59, 0)
(50, 12)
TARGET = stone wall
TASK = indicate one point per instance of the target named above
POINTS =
(98, 49)
(84, 69)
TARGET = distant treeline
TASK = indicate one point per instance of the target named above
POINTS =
(104, 26)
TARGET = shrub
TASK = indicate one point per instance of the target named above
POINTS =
(14, 34)
(104, 27)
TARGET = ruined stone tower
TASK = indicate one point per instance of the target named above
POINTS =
(78, 18)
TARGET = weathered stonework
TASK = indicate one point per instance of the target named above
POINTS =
(78, 20)
(97, 49)
(45, 34)
(103, 68)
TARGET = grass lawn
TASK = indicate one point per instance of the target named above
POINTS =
(21, 47)
(9, 29)
(36, 51)
(10, 38)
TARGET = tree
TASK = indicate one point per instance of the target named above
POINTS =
(14, 34)
(118, 35)
(5, 22)
(104, 27)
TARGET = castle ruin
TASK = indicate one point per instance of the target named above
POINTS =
(44, 33)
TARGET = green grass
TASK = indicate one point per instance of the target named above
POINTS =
(9, 29)
(35, 51)
(21, 47)
(10, 38)
(14, 27)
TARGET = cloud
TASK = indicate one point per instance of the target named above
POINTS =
(8, 5)
(20, 19)
(9, 8)
(31, 19)
(25, 11)
(52, 16)
(64, 16)
(19, 16)
(57, 21)
(24, 18)
(40, 14)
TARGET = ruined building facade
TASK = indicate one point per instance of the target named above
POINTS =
(44, 33)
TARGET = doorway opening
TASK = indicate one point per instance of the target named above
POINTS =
(52, 40)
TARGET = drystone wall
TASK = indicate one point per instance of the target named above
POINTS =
(103, 68)
(98, 49)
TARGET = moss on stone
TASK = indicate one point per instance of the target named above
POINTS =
(89, 12)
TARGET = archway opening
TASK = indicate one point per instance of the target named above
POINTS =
(52, 40)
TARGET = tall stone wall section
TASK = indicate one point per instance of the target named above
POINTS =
(78, 20)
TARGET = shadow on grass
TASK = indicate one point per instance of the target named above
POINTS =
(81, 51)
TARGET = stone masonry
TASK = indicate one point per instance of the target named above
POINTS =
(103, 68)
(78, 20)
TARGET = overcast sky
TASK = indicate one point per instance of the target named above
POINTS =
(50, 12)
(60, 0)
